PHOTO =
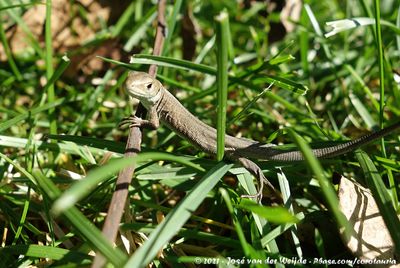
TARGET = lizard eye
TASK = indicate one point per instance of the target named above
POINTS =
(149, 85)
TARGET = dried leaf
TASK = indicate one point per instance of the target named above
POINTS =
(373, 240)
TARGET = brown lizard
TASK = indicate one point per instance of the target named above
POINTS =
(163, 106)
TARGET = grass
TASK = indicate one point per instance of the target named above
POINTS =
(183, 203)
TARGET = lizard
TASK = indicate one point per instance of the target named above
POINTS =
(163, 106)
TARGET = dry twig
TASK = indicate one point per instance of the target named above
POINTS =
(115, 211)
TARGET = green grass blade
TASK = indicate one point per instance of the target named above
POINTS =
(187, 233)
(77, 219)
(84, 187)
(278, 215)
(171, 62)
(288, 202)
(39, 251)
(176, 218)
(87, 229)
(247, 249)
(2, 8)
(18, 19)
(91, 145)
(247, 182)
(188, 65)
(93, 102)
(139, 30)
(273, 234)
(105, 145)
(205, 50)
(49, 66)
(171, 25)
(326, 186)
(123, 20)
(363, 85)
(382, 104)
(58, 72)
(7, 50)
(23, 216)
(7, 124)
(398, 26)
(222, 21)
(362, 110)
(84, 227)
(248, 105)
(381, 196)
(379, 45)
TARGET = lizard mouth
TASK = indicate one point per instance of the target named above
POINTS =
(136, 94)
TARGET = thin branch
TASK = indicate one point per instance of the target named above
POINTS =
(115, 211)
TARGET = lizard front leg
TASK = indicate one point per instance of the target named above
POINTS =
(153, 121)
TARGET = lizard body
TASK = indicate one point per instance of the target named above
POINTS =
(163, 106)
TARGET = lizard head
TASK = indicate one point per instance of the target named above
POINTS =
(143, 87)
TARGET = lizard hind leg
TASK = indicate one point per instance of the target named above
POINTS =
(256, 171)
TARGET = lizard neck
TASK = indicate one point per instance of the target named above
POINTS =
(151, 101)
(173, 114)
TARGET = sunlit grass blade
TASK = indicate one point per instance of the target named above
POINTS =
(140, 28)
(222, 21)
(176, 218)
(278, 215)
(304, 45)
(381, 196)
(41, 251)
(247, 182)
(171, 62)
(106, 145)
(348, 24)
(205, 50)
(177, 84)
(123, 20)
(49, 67)
(84, 187)
(64, 63)
(23, 216)
(317, 30)
(91, 145)
(288, 203)
(362, 111)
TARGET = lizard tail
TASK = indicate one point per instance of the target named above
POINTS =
(334, 150)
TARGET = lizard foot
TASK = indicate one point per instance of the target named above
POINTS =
(134, 121)
(128, 122)
(254, 169)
